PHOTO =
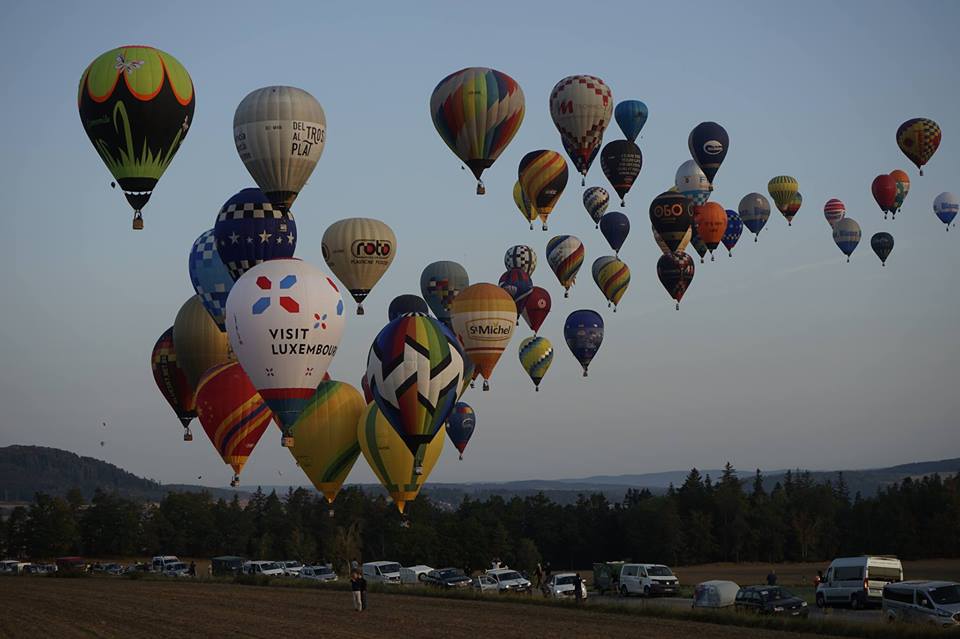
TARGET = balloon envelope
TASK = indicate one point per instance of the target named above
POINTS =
(691, 182)
(675, 271)
(733, 232)
(171, 380)
(536, 355)
(583, 332)
(536, 308)
(631, 115)
(565, 256)
(615, 227)
(482, 317)
(710, 220)
(882, 244)
(359, 250)
(460, 426)
(708, 144)
(543, 177)
(199, 342)
(919, 139)
(595, 201)
(846, 233)
(522, 257)
(621, 161)
(250, 230)
(884, 189)
(527, 210)
(280, 133)
(210, 277)
(403, 304)
(613, 278)
(945, 206)
(834, 210)
(754, 210)
(903, 187)
(518, 284)
(672, 216)
(581, 107)
(440, 283)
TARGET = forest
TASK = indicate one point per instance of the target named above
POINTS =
(702, 520)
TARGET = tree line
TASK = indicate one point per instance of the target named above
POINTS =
(702, 520)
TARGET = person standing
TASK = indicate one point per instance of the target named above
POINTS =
(772, 578)
(193, 568)
(539, 575)
(355, 588)
(578, 587)
(363, 592)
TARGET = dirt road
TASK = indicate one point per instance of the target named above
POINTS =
(118, 607)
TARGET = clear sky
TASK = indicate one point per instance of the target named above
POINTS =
(782, 356)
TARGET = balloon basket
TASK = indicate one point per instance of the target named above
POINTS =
(729, 253)
(584, 372)
(418, 470)
(711, 258)
(531, 226)
(848, 259)
(137, 221)
(566, 293)
(701, 261)
(461, 457)
(883, 263)
(360, 310)
(472, 384)
(623, 202)
(536, 389)
(331, 513)
(583, 180)
(678, 306)
(286, 441)
(486, 385)
(614, 309)
(188, 436)
(756, 239)
(481, 189)
(597, 226)
(544, 227)
(235, 481)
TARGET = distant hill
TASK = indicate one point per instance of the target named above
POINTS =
(25, 470)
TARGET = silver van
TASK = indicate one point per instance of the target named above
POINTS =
(936, 603)
(857, 581)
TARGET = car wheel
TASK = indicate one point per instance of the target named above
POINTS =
(821, 602)
(624, 592)
(646, 591)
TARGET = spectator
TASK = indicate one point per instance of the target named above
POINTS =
(193, 568)
(356, 589)
(772, 578)
(539, 574)
(578, 587)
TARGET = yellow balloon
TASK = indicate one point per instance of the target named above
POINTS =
(782, 189)
(527, 209)
(325, 441)
(198, 341)
(390, 458)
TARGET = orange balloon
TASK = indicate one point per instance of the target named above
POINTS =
(711, 221)
(483, 321)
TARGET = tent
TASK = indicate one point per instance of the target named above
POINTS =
(715, 594)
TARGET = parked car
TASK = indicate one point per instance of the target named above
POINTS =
(291, 568)
(413, 574)
(317, 573)
(857, 581)
(715, 594)
(266, 568)
(8, 566)
(385, 572)
(107, 569)
(39, 569)
(176, 569)
(71, 564)
(509, 580)
(770, 600)
(935, 603)
(606, 576)
(485, 583)
(562, 585)
(226, 565)
(448, 578)
(648, 580)
(160, 562)
(137, 567)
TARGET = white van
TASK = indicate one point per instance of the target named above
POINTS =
(160, 562)
(857, 581)
(930, 602)
(384, 572)
(647, 580)
(413, 574)
(265, 568)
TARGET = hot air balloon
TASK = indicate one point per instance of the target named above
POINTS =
(884, 190)
(565, 256)
(518, 284)
(280, 133)
(210, 277)
(469, 368)
(697, 242)
(527, 210)
(482, 317)
(919, 139)
(615, 227)
(359, 250)
(882, 244)
(599, 263)
(367, 393)
(284, 319)
(672, 216)
(631, 115)
(621, 161)
(691, 182)
(945, 206)
(522, 257)
(684, 241)
(543, 176)
(612, 278)
(536, 355)
(581, 107)
(477, 111)
(710, 220)
(403, 304)
(583, 332)
(536, 308)
(596, 200)
(199, 342)
(793, 206)
(232, 413)
(440, 283)
(903, 187)
(400, 473)
(754, 210)
(250, 230)
(325, 436)
(172, 381)
(460, 426)
(675, 271)
(846, 233)
(136, 125)
(782, 189)
(414, 374)
(708, 143)
(834, 210)
(733, 232)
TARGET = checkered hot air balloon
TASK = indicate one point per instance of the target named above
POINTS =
(210, 277)
(691, 182)
(477, 111)
(250, 230)
(595, 201)
(733, 232)
(675, 271)
(522, 257)
(414, 375)
(440, 283)
(536, 355)
(581, 107)
(919, 139)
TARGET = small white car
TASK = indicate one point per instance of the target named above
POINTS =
(412, 575)
(317, 573)
(176, 569)
(291, 568)
(384, 572)
(160, 562)
(266, 568)
(509, 580)
(485, 583)
(563, 586)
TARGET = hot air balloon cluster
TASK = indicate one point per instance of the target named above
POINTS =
(255, 341)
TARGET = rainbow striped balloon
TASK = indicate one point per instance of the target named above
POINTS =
(565, 256)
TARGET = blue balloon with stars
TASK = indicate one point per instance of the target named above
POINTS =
(210, 277)
(250, 230)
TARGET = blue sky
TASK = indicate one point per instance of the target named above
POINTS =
(782, 356)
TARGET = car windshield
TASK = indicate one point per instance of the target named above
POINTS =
(946, 595)
(270, 566)
(879, 573)
(659, 571)
(450, 573)
(773, 594)
(389, 568)
(510, 576)
(323, 570)
(568, 580)
(176, 566)
(292, 564)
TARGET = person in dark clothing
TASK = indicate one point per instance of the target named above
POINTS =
(772, 578)
(363, 592)
(357, 586)
(578, 587)
(818, 579)
(539, 575)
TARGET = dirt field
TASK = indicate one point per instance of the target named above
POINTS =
(117, 607)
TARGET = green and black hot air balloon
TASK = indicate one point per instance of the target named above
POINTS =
(136, 104)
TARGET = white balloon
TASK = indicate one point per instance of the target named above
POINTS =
(692, 182)
(285, 318)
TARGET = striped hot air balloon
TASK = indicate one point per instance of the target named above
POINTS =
(477, 111)
(782, 189)
(834, 210)
(526, 208)
(172, 381)
(536, 355)
(543, 177)
(232, 413)
(483, 317)
(565, 256)
(613, 278)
